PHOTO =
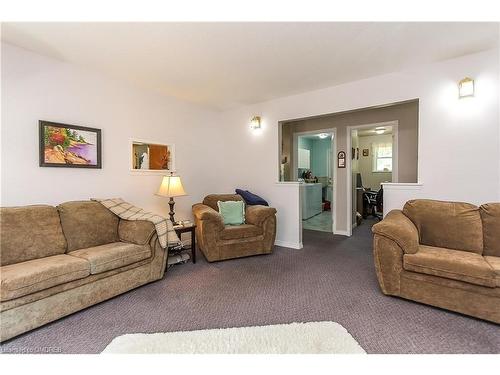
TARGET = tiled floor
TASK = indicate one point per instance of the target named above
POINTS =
(321, 222)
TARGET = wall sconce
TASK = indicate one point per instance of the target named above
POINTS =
(465, 88)
(255, 123)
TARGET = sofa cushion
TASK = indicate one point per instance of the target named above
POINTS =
(494, 263)
(451, 264)
(490, 215)
(113, 255)
(136, 231)
(30, 232)
(251, 199)
(212, 199)
(24, 278)
(87, 224)
(233, 212)
(447, 224)
(232, 232)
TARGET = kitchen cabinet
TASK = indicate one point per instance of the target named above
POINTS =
(304, 159)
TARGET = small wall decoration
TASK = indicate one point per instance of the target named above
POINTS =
(70, 146)
(341, 159)
(148, 156)
(366, 152)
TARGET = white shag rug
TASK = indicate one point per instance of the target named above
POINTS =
(294, 338)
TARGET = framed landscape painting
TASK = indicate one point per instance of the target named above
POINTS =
(71, 146)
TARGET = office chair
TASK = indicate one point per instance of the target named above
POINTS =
(378, 209)
(372, 200)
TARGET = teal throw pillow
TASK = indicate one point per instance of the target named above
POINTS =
(233, 212)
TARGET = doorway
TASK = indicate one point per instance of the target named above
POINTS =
(373, 161)
(313, 162)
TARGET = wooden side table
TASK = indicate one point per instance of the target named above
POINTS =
(185, 229)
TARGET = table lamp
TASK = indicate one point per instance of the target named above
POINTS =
(171, 186)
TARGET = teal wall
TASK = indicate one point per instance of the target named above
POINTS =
(305, 143)
(320, 149)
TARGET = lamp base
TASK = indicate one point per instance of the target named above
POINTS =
(171, 203)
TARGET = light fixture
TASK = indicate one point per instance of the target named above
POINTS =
(379, 130)
(323, 135)
(171, 186)
(255, 123)
(466, 87)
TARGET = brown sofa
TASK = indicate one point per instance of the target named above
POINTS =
(444, 254)
(58, 260)
(219, 242)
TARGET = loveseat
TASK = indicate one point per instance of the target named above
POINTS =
(445, 254)
(220, 242)
(58, 260)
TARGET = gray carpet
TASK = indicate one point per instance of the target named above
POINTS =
(332, 278)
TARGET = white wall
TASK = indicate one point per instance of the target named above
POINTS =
(459, 156)
(458, 139)
(38, 88)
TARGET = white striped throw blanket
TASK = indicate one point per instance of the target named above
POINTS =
(164, 227)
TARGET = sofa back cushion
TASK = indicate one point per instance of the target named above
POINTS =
(490, 215)
(30, 232)
(452, 225)
(212, 199)
(87, 224)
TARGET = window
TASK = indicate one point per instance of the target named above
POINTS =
(382, 157)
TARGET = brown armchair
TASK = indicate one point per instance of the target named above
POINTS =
(219, 242)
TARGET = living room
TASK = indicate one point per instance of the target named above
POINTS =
(123, 145)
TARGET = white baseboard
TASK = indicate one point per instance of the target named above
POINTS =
(291, 245)
(342, 233)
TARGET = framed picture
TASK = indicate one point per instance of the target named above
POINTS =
(341, 159)
(147, 156)
(70, 146)
(366, 152)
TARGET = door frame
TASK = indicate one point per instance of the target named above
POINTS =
(295, 152)
(395, 164)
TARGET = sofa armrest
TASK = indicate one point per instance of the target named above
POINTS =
(257, 214)
(398, 228)
(135, 231)
(204, 212)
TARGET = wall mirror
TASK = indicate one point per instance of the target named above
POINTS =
(152, 156)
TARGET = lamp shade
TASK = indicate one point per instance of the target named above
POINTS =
(171, 186)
